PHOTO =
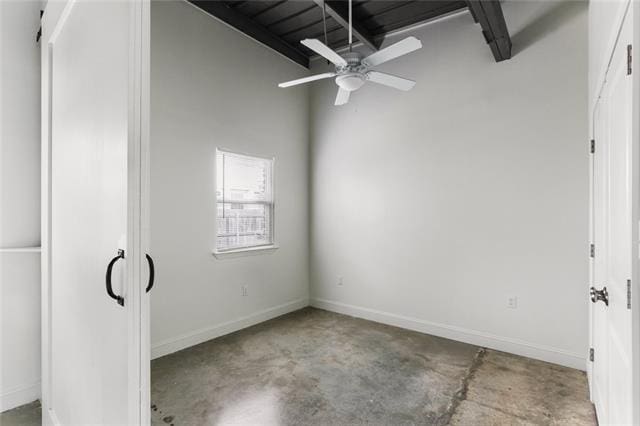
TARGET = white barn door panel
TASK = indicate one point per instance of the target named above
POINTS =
(92, 75)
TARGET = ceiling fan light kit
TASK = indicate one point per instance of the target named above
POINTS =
(351, 81)
(351, 76)
(352, 70)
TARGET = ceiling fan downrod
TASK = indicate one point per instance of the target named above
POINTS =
(350, 25)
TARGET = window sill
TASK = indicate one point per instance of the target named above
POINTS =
(250, 251)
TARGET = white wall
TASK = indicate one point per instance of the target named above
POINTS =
(437, 205)
(20, 203)
(214, 87)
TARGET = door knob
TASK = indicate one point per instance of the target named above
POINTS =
(599, 295)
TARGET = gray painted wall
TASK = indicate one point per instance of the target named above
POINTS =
(20, 203)
(214, 87)
(437, 205)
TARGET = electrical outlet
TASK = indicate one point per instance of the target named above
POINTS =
(512, 302)
(339, 280)
(245, 290)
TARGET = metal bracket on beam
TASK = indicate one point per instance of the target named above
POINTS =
(339, 11)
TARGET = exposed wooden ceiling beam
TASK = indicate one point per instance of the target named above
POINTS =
(488, 13)
(339, 11)
(251, 28)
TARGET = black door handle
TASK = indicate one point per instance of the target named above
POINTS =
(152, 273)
(110, 292)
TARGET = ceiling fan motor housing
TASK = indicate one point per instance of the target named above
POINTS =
(351, 76)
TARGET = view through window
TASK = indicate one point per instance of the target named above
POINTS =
(244, 192)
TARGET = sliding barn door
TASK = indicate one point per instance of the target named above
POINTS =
(612, 374)
(94, 285)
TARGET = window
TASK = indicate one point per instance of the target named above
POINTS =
(244, 193)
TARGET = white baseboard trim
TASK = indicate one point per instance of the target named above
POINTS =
(19, 396)
(49, 418)
(184, 341)
(474, 337)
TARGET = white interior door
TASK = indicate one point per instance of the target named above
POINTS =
(91, 134)
(612, 378)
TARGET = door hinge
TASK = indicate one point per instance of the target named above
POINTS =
(629, 59)
(39, 33)
(628, 294)
(592, 149)
(591, 354)
(592, 250)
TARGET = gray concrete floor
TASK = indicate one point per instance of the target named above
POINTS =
(318, 367)
(25, 415)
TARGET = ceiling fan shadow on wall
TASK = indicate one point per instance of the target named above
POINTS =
(353, 70)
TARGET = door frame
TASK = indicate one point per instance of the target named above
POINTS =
(629, 11)
(635, 215)
(55, 14)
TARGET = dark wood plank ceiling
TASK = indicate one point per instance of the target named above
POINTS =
(281, 24)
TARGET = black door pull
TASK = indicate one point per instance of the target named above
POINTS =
(110, 292)
(152, 273)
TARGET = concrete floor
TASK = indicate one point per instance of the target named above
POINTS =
(25, 415)
(317, 367)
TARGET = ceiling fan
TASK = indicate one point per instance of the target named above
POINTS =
(353, 70)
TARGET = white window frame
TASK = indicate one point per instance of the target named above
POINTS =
(249, 250)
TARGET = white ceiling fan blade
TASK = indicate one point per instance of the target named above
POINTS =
(342, 97)
(390, 80)
(306, 79)
(322, 49)
(400, 48)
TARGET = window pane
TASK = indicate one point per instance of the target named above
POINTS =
(244, 201)
(246, 178)
(243, 225)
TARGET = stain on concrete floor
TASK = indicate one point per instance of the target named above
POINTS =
(509, 389)
(322, 368)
